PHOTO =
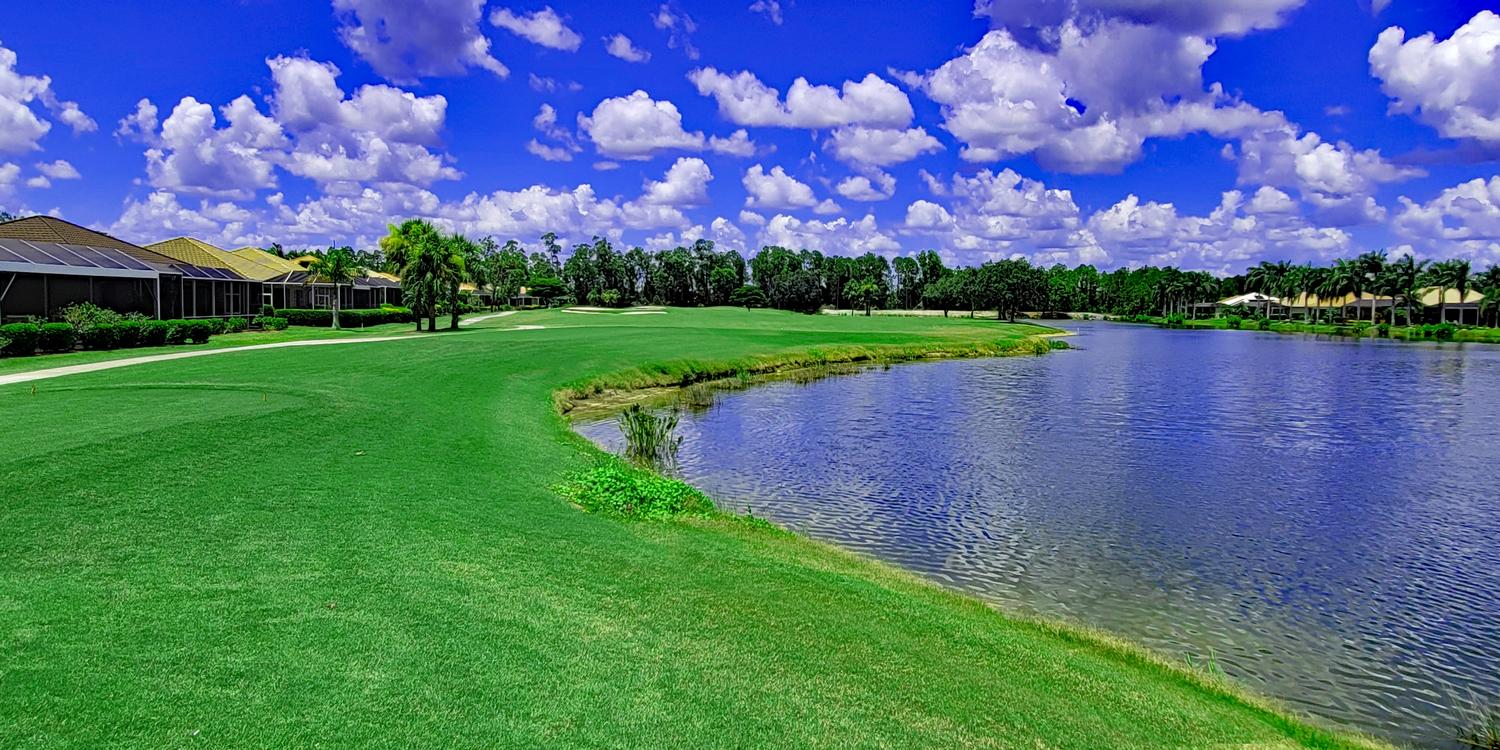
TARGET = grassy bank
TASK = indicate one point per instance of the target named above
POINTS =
(1361, 329)
(361, 546)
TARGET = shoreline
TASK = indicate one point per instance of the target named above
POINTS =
(601, 397)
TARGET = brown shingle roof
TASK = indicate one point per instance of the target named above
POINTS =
(50, 229)
(200, 253)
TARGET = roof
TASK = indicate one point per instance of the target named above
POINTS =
(200, 253)
(1429, 297)
(270, 264)
(1342, 300)
(52, 229)
(304, 260)
(1247, 299)
(27, 256)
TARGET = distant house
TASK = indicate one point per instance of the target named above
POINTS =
(1268, 306)
(236, 296)
(47, 264)
(288, 284)
(1447, 306)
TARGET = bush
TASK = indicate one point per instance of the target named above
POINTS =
(22, 338)
(1384, 330)
(100, 337)
(614, 488)
(84, 316)
(217, 325)
(130, 333)
(272, 323)
(198, 331)
(1174, 321)
(154, 333)
(1233, 321)
(57, 337)
(236, 325)
(267, 311)
(1263, 324)
(176, 333)
(1439, 331)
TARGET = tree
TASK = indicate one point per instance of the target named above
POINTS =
(1449, 274)
(908, 280)
(1489, 284)
(546, 288)
(862, 292)
(459, 253)
(1403, 279)
(798, 291)
(748, 296)
(1345, 278)
(1370, 265)
(405, 248)
(338, 267)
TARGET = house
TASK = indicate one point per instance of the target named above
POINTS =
(1448, 306)
(287, 284)
(236, 297)
(1268, 306)
(47, 264)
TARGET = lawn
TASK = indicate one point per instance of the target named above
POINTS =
(360, 546)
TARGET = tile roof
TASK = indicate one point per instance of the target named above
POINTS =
(270, 265)
(200, 253)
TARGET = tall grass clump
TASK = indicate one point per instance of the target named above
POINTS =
(650, 439)
(697, 396)
(615, 488)
(1483, 730)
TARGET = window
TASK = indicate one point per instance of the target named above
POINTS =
(322, 297)
(232, 299)
(267, 296)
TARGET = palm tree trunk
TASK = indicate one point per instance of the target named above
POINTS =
(335, 307)
(453, 306)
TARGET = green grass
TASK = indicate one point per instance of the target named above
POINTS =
(364, 546)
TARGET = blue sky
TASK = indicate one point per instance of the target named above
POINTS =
(1117, 132)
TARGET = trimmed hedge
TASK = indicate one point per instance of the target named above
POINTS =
(56, 337)
(23, 338)
(272, 323)
(353, 318)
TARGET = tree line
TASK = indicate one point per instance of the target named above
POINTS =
(433, 265)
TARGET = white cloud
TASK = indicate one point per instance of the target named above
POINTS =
(565, 144)
(770, 8)
(875, 187)
(21, 126)
(548, 153)
(830, 237)
(637, 127)
(551, 85)
(685, 184)
(161, 216)
(542, 27)
(140, 125)
(752, 218)
(1076, 107)
(999, 215)
(880, 147)
(9, 175)
(726, 236)
(620, 46)
(194, 155)
(1336, 178)
(404, 41)
(59, 170)
(1449, 85)
(1463, 220)
(828, 208)
(776, 189)
(38, 182)
(744, 100)
(679, 28)
(1216, 18)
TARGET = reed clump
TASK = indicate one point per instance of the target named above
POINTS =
(650, 438)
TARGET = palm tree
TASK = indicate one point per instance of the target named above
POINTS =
(1489, 284)
(1343, 278)
(1269, 279)
(1404, 280)
(338, 267)
(1459, 276)
(459, 256)
(1370, 266)
(1449, 274)
(1312, 280)
(406, 248)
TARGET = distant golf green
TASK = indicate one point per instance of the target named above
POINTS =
(361, 546)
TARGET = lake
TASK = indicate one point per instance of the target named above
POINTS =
(1320, 518)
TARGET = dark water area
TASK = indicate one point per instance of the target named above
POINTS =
(1320, 517)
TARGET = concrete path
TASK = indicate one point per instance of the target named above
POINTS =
(482, 318)
(57, 372)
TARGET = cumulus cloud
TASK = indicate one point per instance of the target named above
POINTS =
(1236, 233)
(620, 46)
(1338, 179)
(1216, 18)
(140, 125)
(564, 144)
(877, 186)
(776, 189)
(744, 100)
(547, 85)
(685, 184)
(637, 127)
(1449, 85)
(194, 155)
(544, 27)
(1463, 220)
(1075, 107)
(160, 216)
(405, 41)
(679, 28)
(59, 170)
(881, 147)
(1003, 214)
(21, 123)
(830, 236)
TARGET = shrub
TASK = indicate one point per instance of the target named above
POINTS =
(1439, 331)
(22, 338)
(267, 311)
(1233, 321)
(217, 325)
(4, 342)
(176, 332)
(83, 316)
(353, 318)
(57, 337)
(130, 333)
(1263, 324)
(272, 323)
(100, 337)
(236, 325)
(198, 331)
(614, 488)
(1384, 330)
(154, 333)
(1174, 321)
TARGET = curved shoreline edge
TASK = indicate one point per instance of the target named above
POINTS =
(614, 390)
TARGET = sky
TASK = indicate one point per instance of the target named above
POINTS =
(1114, 132)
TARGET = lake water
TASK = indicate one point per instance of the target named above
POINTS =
(1321, 517)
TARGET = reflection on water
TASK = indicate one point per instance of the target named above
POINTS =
(1320, 516)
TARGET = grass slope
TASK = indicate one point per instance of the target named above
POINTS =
(358, 546)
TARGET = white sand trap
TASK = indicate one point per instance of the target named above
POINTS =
(578, 311)
(645, 312)
(528, 328)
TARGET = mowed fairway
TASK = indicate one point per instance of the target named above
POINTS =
(359, 546)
